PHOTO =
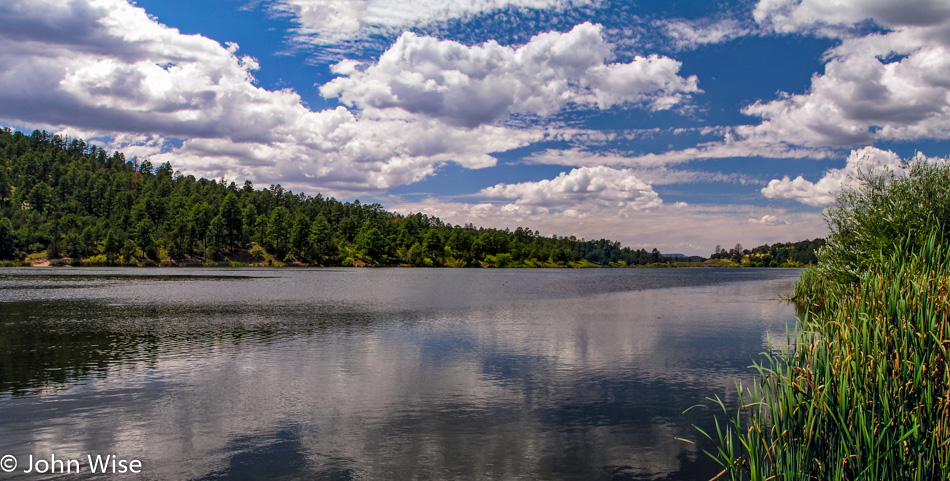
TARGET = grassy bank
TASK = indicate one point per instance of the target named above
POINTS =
(863, 391)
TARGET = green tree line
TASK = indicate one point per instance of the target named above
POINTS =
(65, 199)
(780, 254)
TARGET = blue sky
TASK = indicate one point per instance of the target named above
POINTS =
(679, 125)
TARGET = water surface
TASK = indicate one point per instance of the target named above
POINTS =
(378, 373)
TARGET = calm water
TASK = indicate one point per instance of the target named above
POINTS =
(378, 373)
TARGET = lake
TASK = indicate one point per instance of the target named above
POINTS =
(377, 373)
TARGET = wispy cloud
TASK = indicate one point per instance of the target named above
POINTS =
(690, 34)
(654, 173)
(332, 22)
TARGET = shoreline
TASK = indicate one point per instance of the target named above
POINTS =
(68, 263)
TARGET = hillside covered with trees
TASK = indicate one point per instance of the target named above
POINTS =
(71, 202)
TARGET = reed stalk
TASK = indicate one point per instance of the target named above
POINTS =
(863, 391)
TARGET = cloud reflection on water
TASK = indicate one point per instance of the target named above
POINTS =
(415, 383)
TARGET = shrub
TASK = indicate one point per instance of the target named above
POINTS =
(95, 261)
(502, 260)
(257, 251)
(880, 211)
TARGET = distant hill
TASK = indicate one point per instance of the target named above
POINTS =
(684, 258)
(65, 201)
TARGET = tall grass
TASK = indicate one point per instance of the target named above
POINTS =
(863, 390)
(864, 394)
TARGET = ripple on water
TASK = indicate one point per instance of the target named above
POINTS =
(379, 373)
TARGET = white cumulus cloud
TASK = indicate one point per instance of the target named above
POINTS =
(769, 219)
(582, 192)
(475, 85)
(886, 84)
(106, 68)
(891, 85)
(822, 192)
(789, 16)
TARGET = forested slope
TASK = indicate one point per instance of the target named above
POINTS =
(72, 202)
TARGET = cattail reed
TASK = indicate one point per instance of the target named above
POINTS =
(863, 390)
